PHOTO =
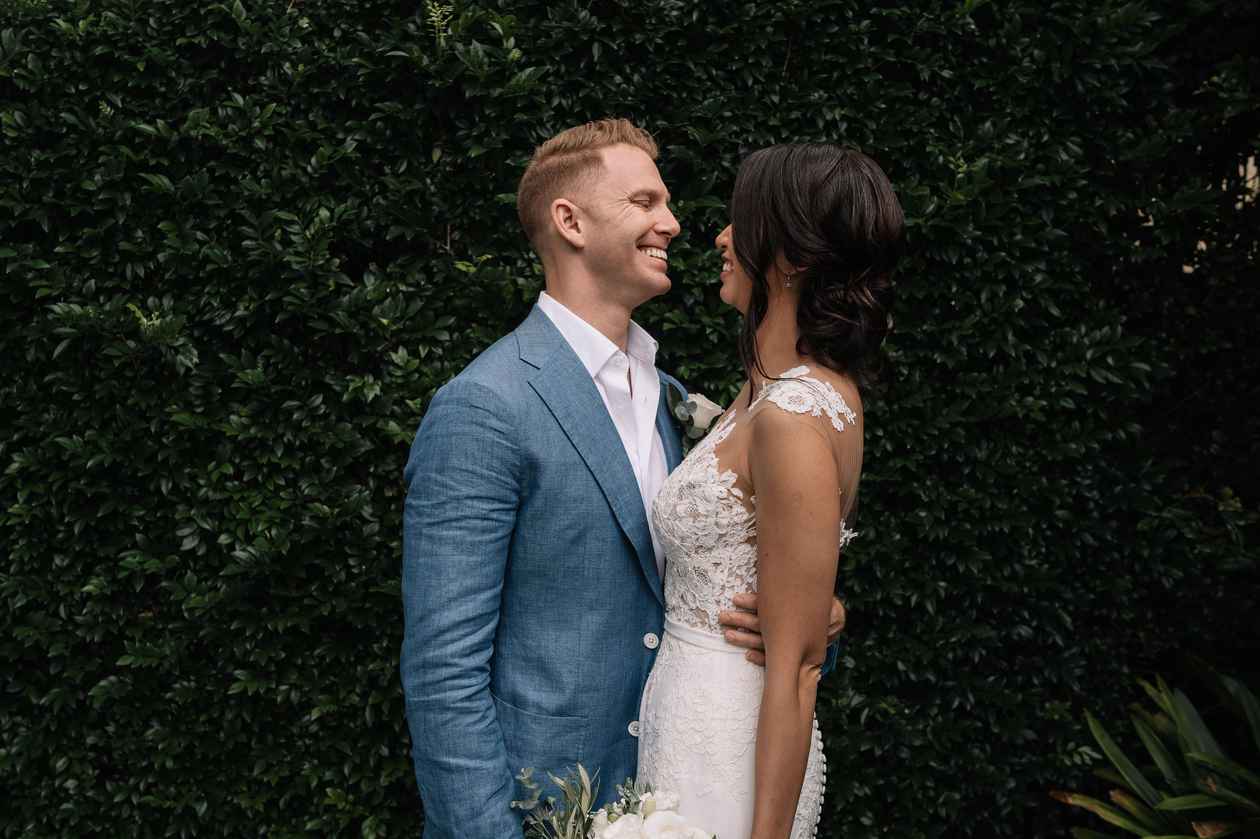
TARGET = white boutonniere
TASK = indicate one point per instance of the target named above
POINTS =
(694, 412)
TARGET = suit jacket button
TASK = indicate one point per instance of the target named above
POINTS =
(634, 728)
(651, 640)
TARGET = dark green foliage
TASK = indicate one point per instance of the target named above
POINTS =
(1187, 784)
(242, 243)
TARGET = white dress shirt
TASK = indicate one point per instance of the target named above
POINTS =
(617, 376)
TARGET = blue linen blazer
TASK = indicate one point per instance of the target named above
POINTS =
(531, 599)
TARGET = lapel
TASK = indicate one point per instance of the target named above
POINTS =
(668, 428)
(572, 398)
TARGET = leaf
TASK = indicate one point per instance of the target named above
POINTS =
(159, 182)
(1250, 706)
(1159, 694)
(1168, 766)
(1132, 775)
(1227, 767)
(1106, 812)
(1144, 815)
(1192, 728)
(1195, 801)
(1228, 796)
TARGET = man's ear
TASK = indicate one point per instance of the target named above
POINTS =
(567, 219)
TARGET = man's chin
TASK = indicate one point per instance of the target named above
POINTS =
(661, 286)
(658, 284)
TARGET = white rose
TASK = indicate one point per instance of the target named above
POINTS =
(665, 800)
(706, 410)
(628, 826)
(664, 824)
(697, 833)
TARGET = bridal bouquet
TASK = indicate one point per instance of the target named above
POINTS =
(638, 813)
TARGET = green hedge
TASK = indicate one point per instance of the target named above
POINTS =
(242, 244)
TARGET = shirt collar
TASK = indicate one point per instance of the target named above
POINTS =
(593, 347)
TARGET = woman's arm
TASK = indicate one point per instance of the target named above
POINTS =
(799, 521)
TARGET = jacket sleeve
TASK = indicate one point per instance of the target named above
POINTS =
(833, 655)
(463, 489)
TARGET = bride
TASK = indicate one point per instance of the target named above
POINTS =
(761, 504)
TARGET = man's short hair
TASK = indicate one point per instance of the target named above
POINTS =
(565, 164)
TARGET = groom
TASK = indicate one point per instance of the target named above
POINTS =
(531, 574)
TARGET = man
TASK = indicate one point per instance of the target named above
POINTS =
(531, 577)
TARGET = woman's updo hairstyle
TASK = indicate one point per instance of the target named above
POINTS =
(833, 215)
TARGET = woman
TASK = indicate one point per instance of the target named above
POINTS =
(761, 503)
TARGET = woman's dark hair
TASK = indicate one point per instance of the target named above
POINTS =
(833, 215)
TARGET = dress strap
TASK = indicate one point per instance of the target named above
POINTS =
(799, 393)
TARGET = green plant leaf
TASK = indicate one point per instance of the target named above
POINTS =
(1150, 819)
(1220, 791)
(1159, 694)
(1168, 766)
(1250, 706)
(1195, 801)
(1136, 780)
(1106, 812)
(1194, 732)
(1227, 767)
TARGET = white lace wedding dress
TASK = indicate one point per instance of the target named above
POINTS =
(698, 717)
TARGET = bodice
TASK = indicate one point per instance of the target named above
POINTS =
(706, 525)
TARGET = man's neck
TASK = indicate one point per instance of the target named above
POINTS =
(609, 319)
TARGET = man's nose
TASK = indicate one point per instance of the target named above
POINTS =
(671, 227)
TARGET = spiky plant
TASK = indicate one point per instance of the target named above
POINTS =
(567, 819)
(1190, 788)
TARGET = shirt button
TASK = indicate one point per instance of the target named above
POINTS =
(633, 728)
(651, 641)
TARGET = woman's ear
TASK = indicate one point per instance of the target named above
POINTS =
(784, 268)
(567, 219)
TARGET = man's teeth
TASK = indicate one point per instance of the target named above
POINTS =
(659, 253)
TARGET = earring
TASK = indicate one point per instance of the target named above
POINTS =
(787, 280)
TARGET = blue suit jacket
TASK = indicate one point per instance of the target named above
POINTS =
(530, 586)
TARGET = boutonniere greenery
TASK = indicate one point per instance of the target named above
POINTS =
(694, 413)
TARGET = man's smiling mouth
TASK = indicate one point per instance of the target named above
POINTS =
(659, 253)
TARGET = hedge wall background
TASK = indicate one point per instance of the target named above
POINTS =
(242, 243)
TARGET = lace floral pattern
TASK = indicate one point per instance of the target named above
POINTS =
(700, 706)
(802, 394)
(685, 688)
(708, 535)
(699, 734)
(707, 529)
